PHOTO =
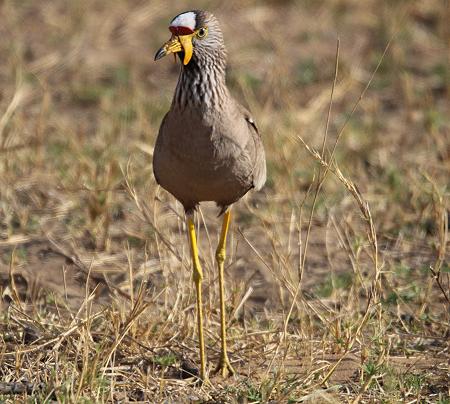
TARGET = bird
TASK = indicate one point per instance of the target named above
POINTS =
(208, 147)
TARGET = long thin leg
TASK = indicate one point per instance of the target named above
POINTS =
(197, 277)
(224, 366)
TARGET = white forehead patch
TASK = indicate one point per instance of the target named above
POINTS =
(184, 20)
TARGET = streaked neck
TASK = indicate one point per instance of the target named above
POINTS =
(202, 84)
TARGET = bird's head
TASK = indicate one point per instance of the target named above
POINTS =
(195, 34)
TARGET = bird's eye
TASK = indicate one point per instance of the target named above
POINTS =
(201, 33)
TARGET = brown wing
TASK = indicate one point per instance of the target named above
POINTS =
(255, 149)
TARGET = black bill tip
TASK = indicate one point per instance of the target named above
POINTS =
(160, 54)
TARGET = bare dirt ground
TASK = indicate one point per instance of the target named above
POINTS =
(337, 271)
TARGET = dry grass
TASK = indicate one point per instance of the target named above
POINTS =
(338, 271)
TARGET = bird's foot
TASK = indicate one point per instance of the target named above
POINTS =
(224, 367)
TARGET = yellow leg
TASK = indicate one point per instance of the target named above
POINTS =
(224, 366)
(197, 277)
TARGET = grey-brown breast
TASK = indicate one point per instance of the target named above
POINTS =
(200, 158)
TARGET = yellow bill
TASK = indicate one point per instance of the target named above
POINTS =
(177, 44)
